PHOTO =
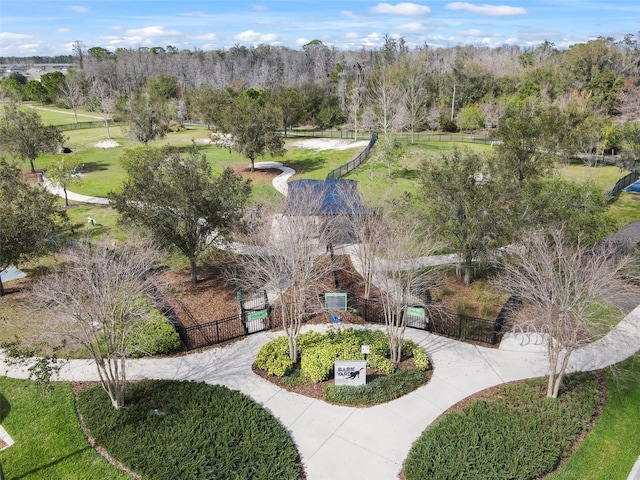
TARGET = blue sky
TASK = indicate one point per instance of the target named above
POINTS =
(49, 27)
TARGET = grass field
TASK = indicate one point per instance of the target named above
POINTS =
(613, 445)
(48, 440)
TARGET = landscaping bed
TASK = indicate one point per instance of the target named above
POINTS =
(171, 429)
(510, 431)
(313, 375)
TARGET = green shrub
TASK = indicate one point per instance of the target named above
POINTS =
(152, 336)
(274, 358)
(420, 358)
(377, 361)
(317, 362)
(379, 390)
(518, 434)
(187, 430)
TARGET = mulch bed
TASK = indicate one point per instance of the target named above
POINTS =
(314, 390)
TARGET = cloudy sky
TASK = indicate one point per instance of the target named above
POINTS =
(49, 27)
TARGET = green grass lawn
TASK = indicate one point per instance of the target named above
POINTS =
(48, 440)
(613, 445)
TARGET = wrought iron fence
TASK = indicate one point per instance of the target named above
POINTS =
(342, 170)
(440, 322)
(623, 183)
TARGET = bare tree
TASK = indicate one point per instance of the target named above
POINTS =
(397, 272)
(411, 82)
(107, 99)
(390, 248)
(562, 285)
(384, 97)
(73, 89)
(103, 293)
(288, 255)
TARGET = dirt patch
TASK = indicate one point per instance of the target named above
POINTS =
(212, 298)
(258, 175)
(328, 144)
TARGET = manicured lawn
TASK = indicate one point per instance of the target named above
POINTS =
(613, 445)
(48, 440)
(605, 176)
(626, 208)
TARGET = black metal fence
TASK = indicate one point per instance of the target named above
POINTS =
(342, 170)
(255, 316)
(623, 183)
(441, 322)
(81, 125)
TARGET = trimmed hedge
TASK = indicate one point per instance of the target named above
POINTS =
(379, 390)
(189, 430)
(517, 434)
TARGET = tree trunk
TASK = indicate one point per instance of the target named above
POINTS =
(193, 271)
(1, 288)
(468, 263)
(33, 168)
(252, 164)
(66, 199)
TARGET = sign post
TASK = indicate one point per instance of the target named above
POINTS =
(350, 372)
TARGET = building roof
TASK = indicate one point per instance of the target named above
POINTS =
(324, 197)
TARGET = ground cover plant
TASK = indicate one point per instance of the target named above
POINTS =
(513, 433)
(190, 430)
(318, 352)
(48, 439)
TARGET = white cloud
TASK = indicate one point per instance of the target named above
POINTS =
(154, 31)
(63, 30)
(250, 36)
(477, 33)
(79, 9)
(350, 14)
(486, 9)
(206, 36)
(302, 41)
(259, 8)
(351, 35)
(410, 27)
(470, 33)
(404, 8)
(13, 37)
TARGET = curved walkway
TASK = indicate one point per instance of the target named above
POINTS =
(338, 443)
(345, 442)
(279, 183)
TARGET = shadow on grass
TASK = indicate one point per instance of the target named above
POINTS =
(305, 165)
(5, 407)
(35, 470)
(405, 173)
(90, 167)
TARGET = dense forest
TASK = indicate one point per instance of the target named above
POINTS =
(595, 85)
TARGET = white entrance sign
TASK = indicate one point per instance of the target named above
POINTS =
(350, 372)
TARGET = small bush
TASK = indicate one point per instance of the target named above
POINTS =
(152, 336)
(379, 390)
(463, 307)
(420, 358)
(274, 358)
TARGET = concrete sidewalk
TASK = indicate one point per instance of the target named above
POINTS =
(344, 442)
